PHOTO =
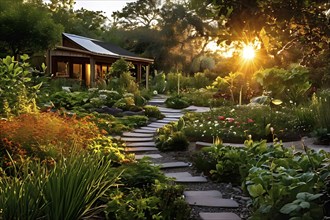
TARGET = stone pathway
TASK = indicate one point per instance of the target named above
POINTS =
(140, 141)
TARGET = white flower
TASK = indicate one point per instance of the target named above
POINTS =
(103, 96)
(155, 92)
(92, 89)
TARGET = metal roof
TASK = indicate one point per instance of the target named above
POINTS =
(103, 48)
(88, 44)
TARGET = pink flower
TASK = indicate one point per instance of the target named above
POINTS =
(221, 118)
(250, 120)
(230, 120)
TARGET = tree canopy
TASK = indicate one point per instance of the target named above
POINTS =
(285, 30)
(26, 28)
(177, 34)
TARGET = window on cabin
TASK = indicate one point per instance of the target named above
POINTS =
(77, 71)
(62, 69)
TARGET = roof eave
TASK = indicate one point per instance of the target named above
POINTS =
(106, 55)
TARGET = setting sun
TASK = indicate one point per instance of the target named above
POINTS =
(248, 52)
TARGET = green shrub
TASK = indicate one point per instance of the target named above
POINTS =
(18, 93)
(200, 81)
(146, 93)
(108, 124)
(134, 121)
(111, 97)
(162, 201)
(158, 83)
(69, 100)
(177, 102)
(152, 112)
(204, 161)
(171, 138)
(120, 67)
(177, 141)
(222, 163)
(139, 100)
(125, 103)
(177, 79)
(111, 148)
(127, 83)
(205, 97)
(140, 174)
(290, 85)
(55, 85)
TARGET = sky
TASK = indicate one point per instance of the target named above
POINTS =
(107, 6)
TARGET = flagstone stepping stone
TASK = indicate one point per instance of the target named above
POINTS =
(156, 101)
(140, 149)
(144, 131)
(149, 128)
(133, 134)
(137, 139)
(166, 121)
(152, 156)
(170, 119)
(200, 144)
(141, 144)
(169, 110)
(156, 125)
(185, 177)
(219, 216)
(178, 174)
(172, 165)
(210, 201)
(207, 193)
(197, 109)
(172, 115)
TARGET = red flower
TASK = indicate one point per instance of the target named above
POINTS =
(230, 120)
(221, 118)
(250, 120)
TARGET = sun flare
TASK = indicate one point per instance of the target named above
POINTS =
(248, 52)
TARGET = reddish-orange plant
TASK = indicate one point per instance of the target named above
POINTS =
(49, 133)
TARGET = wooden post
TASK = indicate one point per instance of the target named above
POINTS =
(147, 76)
(139, 73)
(92, 72)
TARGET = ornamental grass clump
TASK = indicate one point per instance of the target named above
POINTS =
(70, 190)
(73, 188)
